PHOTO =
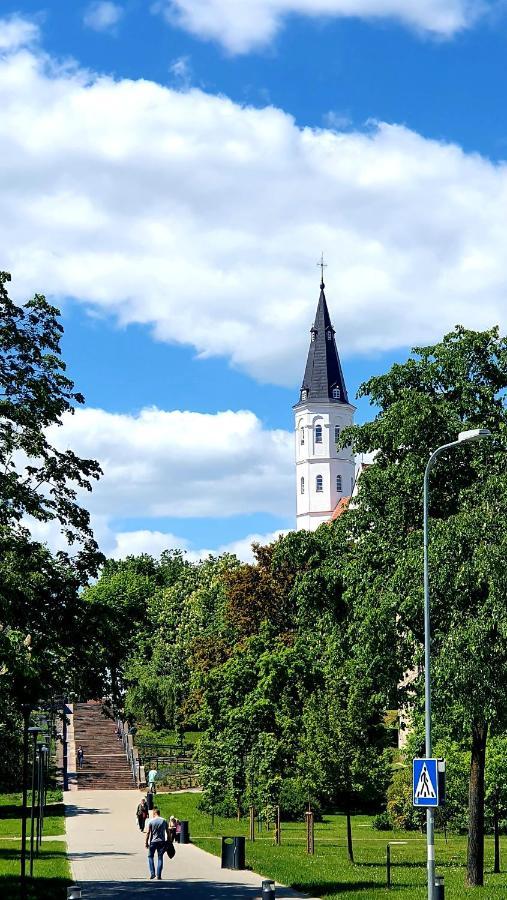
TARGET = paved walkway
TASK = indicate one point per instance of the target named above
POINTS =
(108, 857)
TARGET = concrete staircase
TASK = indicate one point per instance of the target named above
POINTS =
(105, 765)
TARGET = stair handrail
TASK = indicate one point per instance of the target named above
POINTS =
(131, 751)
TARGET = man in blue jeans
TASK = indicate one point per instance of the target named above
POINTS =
(156, 840)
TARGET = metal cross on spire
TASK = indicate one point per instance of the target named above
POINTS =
(323, 266)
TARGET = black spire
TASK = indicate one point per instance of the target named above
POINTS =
(323, 379)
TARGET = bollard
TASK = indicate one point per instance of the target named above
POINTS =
(439, 887)
(388, 865)
(268, 890)
(251, 827)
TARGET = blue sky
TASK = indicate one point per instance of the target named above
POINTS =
(174, 170)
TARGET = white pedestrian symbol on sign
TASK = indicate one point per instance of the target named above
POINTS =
(425, 789)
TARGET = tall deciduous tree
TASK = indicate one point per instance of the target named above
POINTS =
(36, 478)
(441, 390)
(42, 614)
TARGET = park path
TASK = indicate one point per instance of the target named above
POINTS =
(108, 858)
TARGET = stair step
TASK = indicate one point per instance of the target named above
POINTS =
(105, 764)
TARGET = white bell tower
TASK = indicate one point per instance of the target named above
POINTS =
(324, 474)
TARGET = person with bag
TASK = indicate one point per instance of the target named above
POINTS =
(156, 842)
(142, 814)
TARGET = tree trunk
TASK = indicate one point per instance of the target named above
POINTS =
(496, 868)
(350, 848)
(475, 860)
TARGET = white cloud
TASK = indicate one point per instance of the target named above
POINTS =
(175, 464)
(337, 121)
(155, 542)
(103, 15)
(204, 220)
(181, 70)
(17, 31)
(182, 464)
(242, 26)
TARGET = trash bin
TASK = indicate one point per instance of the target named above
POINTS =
(184, 832)
(268, 890)
(149, 799)
(233, 853)
(439, 887)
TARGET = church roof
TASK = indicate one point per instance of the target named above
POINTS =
(323, 373)
(340, 508)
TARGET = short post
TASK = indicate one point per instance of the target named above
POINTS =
(388, 865)
(310, 832)
(251, 832)
(278, 830)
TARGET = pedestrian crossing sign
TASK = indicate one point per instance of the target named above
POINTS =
(425, 782)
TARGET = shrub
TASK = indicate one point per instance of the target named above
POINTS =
(294, 801)
(382, 822)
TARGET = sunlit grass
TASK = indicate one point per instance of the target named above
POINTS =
(328, 873)
(51, 869)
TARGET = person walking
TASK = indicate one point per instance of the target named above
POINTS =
(156, 842)
(80, 757)
(172, 828)
(142, 814)
(152, 781)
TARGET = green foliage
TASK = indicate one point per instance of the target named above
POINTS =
(382, 822)
(402, 814)
(295, 800)
(36, 478)
(444, 389)
(42, 613)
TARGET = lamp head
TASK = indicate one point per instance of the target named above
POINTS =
(474, 434)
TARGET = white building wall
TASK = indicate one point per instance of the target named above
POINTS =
(321, 459)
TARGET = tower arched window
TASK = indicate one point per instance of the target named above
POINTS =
(302, 435)
(319, 487)
(304, 394)
(336, 433)
(339, 483)
(302, 485)
(318, 434)
(313, 335)
(329, 335)
(336, 393)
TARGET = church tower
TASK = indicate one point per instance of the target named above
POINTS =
(324, 473)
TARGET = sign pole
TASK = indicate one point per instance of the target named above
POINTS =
(430, 813)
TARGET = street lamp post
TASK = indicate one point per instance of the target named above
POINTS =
(34, 732)
(26, 709)
(463, 437)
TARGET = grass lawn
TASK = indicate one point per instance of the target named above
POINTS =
(152, 737)
(51, 869)
(328, 873)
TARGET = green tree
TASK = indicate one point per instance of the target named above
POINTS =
(37, 479)
(441, 390)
